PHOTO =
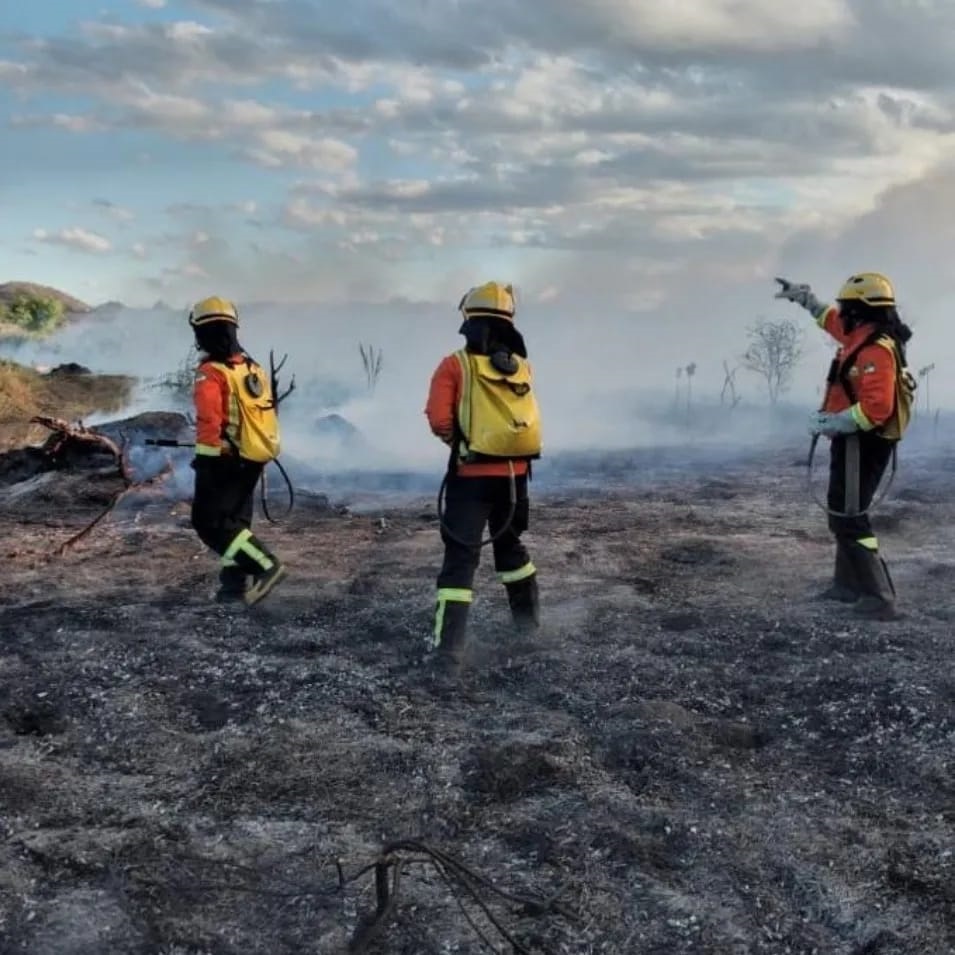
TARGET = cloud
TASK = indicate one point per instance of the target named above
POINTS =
(711, 89)
(69, 121)
(615, 152)
(115, 211)
(279, 147)
(905, 234)
(471, 33)
(75, 238)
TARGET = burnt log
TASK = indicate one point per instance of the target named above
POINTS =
(68, 442)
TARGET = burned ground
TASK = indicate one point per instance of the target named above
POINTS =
(693, 756)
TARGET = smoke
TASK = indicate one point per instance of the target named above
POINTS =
(606, 382)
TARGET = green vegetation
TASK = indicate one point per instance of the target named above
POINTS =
(36, 314)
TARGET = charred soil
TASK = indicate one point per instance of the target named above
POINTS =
(692, 756)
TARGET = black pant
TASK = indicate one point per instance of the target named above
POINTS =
(875, 453)
(223, 499)
(471, 503)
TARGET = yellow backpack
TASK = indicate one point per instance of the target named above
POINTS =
(253, 427)
(905, 386)
(498, 414)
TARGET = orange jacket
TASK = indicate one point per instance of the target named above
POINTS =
(871, 375)
(211, 394)
(447, 383)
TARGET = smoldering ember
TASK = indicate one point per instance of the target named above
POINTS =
(692, 754)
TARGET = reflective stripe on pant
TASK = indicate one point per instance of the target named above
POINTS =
(516, 576)
(245, 545)
(471, 505)
(448, 595)
(875, 453)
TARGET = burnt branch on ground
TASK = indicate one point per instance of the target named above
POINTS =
(463, 883)
(178, 881)
(68, 437)
(71, 440)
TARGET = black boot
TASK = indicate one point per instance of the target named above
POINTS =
(451, 634)
(524, 598)
(877, 593)
(255, 559)
(844, 587)
(232, 583)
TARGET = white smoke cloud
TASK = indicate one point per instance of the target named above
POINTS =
(601, 386)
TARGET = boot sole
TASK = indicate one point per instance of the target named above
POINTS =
(256, 593)
(885, 616)
(885, 611)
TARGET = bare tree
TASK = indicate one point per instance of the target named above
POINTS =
(729, 394)
(924, 376)
(676, 393)
(775, 349)
(690, 372)
(371, 362)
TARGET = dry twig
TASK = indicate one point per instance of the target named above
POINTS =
(63, 434)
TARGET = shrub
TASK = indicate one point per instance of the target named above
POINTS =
(180, 381)
(33, 313)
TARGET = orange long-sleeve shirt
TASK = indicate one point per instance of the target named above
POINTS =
(211, 395)
(444, 395)
(872, 374)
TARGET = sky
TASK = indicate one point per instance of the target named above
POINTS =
(639, 170)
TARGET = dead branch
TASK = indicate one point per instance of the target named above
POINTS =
(114, 500)
(64, 432)
(473, 892)
(462, 881)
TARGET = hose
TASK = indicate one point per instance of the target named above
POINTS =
(442, 492)
(263, 490)
(263, 481)
(877, 499)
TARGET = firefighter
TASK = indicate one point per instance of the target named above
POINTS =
(866, 408)
(482, 405)
(236, 434)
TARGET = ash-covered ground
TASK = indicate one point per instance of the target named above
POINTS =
(694, 756)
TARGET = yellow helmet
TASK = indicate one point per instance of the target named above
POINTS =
(490, 300)
(870, 288)
(213, 309)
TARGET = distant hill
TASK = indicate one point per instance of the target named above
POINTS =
(10, 290)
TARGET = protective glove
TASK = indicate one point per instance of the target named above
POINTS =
(800, 293)
(831, 423)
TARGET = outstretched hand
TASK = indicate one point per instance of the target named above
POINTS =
(801, 294)
(797, 292)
